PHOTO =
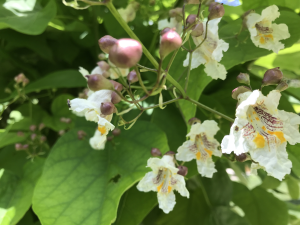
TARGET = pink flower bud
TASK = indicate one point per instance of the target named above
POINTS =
(156, 152)
(106, 42)
(81, 134)
(110, 138)
(272, 76)
(117, 85)
(115, 98)
(41, 126)
(243, 78)
(239, 90)
(20, 78)
(132, 77)
(170, 41)
(165, 30)
(182, 170)
(25, 82)
(116, 132)
(126, 53)
(103, 65)
(18, 146)
(193, 120)
(32, 128)
(98, 82)
(20, 134)
(43, 139)
(61, 132)
(25, 147)
(197, 30)
(33, 136)
(216, 10)
(191, 19)
(107, 108)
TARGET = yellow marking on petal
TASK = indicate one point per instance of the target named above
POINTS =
(198, 155)
(165, 176)
(269, 36)
(263, 127)
(259, 140)
(208, 151)
(254, 112)
(169, 189)
(159, 187)
(257, 118)
(102, 129)
(279, 135)
(262, 40)
(251, 121)
(249, 115)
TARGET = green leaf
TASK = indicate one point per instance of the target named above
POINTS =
(270, 183)
(293, 187)
(16, 192)
(294, 156)
(8, 138)
(59, 105)
(27, 17)
(222, 215)
(260, 207)
(95, 179)
(253, 4)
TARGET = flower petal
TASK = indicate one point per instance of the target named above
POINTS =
(178, 183)
(98, 141)
(80, 106)
(206, 167)
(166, 202)
(270, 13)
(184, 152)
(146, 184)
(215, 70)
(291, 123)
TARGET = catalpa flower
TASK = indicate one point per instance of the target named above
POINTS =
(201, 146)
(210, 52)
(264, 33)
(98, 141)
(173, 23)
(263, 131)
(116, 72)
(164, 179)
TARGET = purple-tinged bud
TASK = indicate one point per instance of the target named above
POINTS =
(43, 139)
(191, 19)
(107, 108)
(170, 153)
(243, 78)
(65, 120)
(239, 90)
(61, 132)
(282, 86)
(41, 126)
(115, 98)
(182, 170)
(116, 132)
(216, 10)
(81, 134)
(242, 157)
(25, 82)
(177, 13)
(272, 77)
(101, 56)
(170, 41)
(106, 43)
(32, 137)
(110, 138)
(156, 152)
(104, 66)
(198, 30)
(98, 82)
(18, 146)
(20, 134)
(195, 2)
(32, 128)
(25, 147)
(132, 77)
(20, 78)
(126, 53)
(193, 120)
(117, 85)
(165, 30)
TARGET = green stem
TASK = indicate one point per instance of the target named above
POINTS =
(204, 37)
(146, 68)
(164, 103)
(125, 26)
(210, 109)
(189, 71)
(140, 80)
(205, 193)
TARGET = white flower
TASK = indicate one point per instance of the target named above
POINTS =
(163, 179)
(210, 52)
(128, 14)
(263, 131)
(201, 147)
(173, 23)
(98, 141)
(115, 72)
(264, 33)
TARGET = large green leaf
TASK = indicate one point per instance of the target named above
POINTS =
(16, 192)
(27, 17)
(260, 207)
(90, 183)
(253, 4)
(293, 187)
(222, 215)
(8, 138)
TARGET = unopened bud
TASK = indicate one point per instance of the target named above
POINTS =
(43, 139)
(132, 77)
(239, 90)
(191, 19)
(106, 43)
(170, 41)
(101, 56)
(155, 152)
(182, 170)
(216, 10)
(25, 147)
(193, 120)
(25, 82)
(20, 134)
(18, 146)
(115, 98)
(243, 78)
(41, 126)
(20, 78)
(98, 82)
(81, 134)
(242, 157)
(126, 53)
(177, 13)
(116, 132)
(61, 132)
(165, 30)
(104, 66)
(110, 138)
(282, 86)
(32, 128)
(198, 30)
(195, 2)
(272, 77)
(33, 136)
(170, 153)
(117, 85)
(107, 108)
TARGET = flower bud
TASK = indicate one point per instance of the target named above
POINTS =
(101, 56)
(32, 128)
(239, 90)
(170, 153)
(242, 157)
(81, 134)
(155, 152)
(282, 86)
(41, 126)
(20, 78)
(25, 82)
(104, 66)
(115, 98)
(18, 146)
(117, 85)
(25, 147)
(98, 82)
(110, 138)
(191, 19)
(170, 41)
(198, 30)
(43, 139)
(33, 136)
(116, 132)
(193, 120)
(107, 108)
(132, 77)
(182, 170)
(243, 78)
(20, 134)
(216, 10)
(61, 132)
(106, 43)
(272, 76)
(126, 53)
